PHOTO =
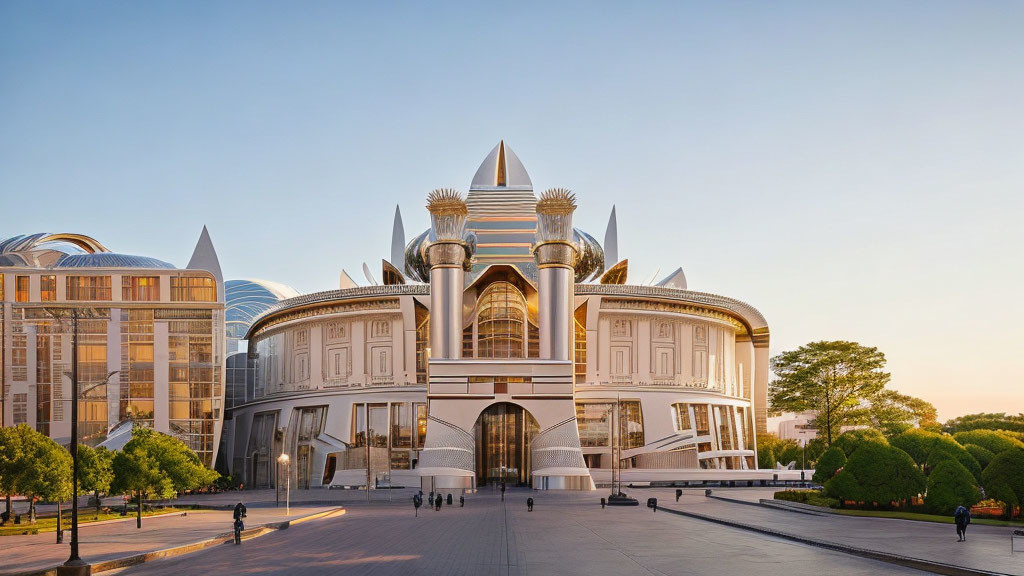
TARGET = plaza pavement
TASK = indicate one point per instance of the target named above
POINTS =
(567, 533)
(120, 538)
(987, 547)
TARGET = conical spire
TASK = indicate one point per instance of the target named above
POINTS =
(611, 241)
(204, 257)
(398, 241)
(501, 169)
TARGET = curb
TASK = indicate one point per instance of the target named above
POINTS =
(183, 549)
(906, 561)
(785, 506)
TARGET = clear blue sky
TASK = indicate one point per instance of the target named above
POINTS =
(854, 171)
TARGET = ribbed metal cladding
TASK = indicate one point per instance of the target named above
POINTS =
(554, 294)
(446, 312)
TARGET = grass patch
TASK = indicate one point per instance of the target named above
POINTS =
(924, 517)
(85, 516)
(812, 497)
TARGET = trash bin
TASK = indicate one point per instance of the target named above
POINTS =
(603, 502)
(652, 503)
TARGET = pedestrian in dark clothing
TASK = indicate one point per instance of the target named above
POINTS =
(502, 491)
(438, 501)
(238, 514)
(962, 517)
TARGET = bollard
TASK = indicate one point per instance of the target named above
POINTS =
(603, 502)
(529, 504)
(652, 503)
(449, 499)
(678, 494)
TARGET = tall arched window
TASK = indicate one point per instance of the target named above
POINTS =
(501, 322)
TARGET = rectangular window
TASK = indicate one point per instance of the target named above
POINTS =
(681, 413)
(700, 415)
(594, 420)
(140, 288)
(47, 288)
(88, 288)
(1, 287)
(421, 424)
(401, 427)
(631, 424)
(21, 289)
(193, 289)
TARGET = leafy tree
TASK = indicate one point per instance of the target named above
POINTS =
(990, 421)
(95, 471)
(159, 465)
(1003, 478)
(878, 473)
(830, 462)
(850, 440)
(950, 484)
(982, 455)
(929, 448)
(915, 442)
(10, 459)
(991, 440)
(893, 413)
(832, 378)
(771, 450)
(44, 470)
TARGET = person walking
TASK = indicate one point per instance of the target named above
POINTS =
(962, 517)
(238, 514)
(438, 501)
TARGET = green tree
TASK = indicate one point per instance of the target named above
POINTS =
(44, 470)
(830, 462)
(95, 471)
(929, 448)
(991, 440)
(945, 448)
(982, 455)
(877, 473)
(832, 378)
(850, 440)
(156, 464)
(950, 484)
(1003, 478)
(10, 460)
(893, 413)
(990, 421)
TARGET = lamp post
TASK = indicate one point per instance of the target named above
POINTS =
(283, 459)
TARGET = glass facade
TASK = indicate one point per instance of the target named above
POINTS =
(501, 322)
(140, 288)
(193, 289)
(88, 288)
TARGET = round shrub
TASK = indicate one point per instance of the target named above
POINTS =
(878, 473)
(1003, 479)
(945, 448)
(991, 440)
(950, 484)
(917, 443)
(982, 455)
(849, 441)
(830, 462)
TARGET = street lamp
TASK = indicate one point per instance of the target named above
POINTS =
(283, 459)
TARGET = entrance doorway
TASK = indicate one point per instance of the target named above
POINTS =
(503, 435)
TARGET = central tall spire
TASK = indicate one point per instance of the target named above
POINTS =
(501, 170)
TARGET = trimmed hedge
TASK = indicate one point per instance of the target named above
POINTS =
(946, 448)
(991, 440)
(877, 473)
(1003, 479)
(982, 455)
(830, 462)
(849, 441)
(950, 484)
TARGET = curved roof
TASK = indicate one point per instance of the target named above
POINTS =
(110, 260)
(501, 169)
(64, 250)
(246, 299)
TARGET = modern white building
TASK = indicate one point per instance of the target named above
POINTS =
(504, 345)
(150, 339)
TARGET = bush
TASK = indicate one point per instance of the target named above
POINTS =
(950, 484)
(946, 448)
(991, 440)
(830, 462)
(982, 455)
(812, 497)
(1003, 479)
(850, 441)
(879, 473)
(917, 443)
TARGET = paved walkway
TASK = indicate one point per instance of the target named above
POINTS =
(109, 540)
(987, 547)
(567, 533)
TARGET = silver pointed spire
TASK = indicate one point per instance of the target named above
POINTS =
(398, 241)
(611, 241)
(675, 280)
(204, 257)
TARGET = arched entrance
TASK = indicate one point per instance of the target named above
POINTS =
(503, 434)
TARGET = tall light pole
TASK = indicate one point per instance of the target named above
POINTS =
(283, 459)
(74, 566)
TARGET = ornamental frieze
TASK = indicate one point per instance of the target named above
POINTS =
(672, 307)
